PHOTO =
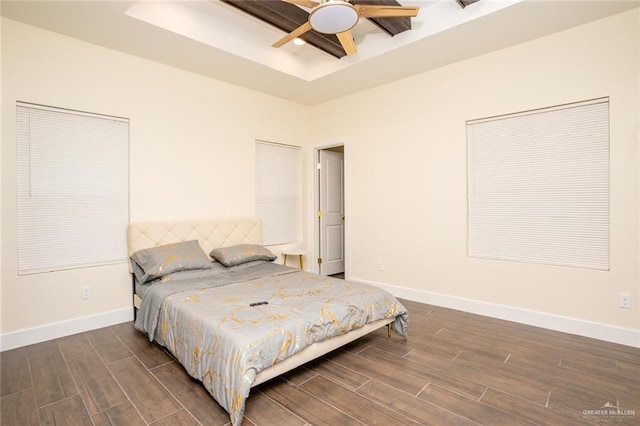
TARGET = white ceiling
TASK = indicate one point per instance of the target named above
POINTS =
(218, 41)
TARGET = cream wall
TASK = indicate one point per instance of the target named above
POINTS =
(408, 178)
(406, 168)
(191, 154)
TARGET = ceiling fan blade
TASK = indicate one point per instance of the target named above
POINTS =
(306, 3)
(293, 34)
(346, 40)
(373, 11)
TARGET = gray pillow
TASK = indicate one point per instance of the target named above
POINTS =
(149, 264)
(242, 253)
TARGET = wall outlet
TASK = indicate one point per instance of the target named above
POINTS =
(624, 300)
(380, 265)
(85, 292)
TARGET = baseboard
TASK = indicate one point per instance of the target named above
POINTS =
(606, 332)
(29, 336)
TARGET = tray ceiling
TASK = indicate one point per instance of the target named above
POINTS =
(217, 40)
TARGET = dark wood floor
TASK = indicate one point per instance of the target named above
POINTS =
(454, 368)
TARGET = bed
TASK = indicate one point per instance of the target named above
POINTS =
(241, 319)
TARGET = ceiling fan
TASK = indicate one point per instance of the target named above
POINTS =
(339, 16)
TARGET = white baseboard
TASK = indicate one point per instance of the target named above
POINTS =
(29, 336)
(606, 332)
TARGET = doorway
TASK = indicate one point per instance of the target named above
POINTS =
(330, 201)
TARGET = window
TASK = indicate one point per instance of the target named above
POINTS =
(73, 188)
(278, 192)
(538, 186)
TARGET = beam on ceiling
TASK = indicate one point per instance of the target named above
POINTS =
(391, 26)
(465, 3)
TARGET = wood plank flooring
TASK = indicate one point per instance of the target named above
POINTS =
(454, 369)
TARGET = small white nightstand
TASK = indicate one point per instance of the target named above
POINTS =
(294, 252)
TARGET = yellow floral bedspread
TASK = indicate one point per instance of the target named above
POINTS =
(224, 334)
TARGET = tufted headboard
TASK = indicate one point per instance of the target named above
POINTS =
(210, 233)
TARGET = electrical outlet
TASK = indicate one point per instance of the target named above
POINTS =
(85, 292)
(624, 300)
(380, 265)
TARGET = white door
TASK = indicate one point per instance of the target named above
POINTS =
(332, 212)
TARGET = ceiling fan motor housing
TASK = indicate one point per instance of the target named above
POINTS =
(333, 17)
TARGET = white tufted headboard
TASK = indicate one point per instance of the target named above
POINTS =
(210, 233)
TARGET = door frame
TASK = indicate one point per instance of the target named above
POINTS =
(316, 204)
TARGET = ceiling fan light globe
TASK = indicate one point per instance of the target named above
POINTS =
(333, 17)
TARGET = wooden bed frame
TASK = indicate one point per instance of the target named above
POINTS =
(214, 233)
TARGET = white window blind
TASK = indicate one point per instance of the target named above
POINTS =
(278, 192)
(538, 186)
(73, 189)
